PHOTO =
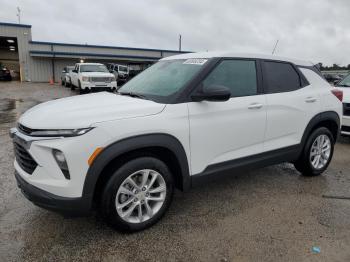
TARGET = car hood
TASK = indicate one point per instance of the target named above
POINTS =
(85, 110)
(346, 93)
(102, 74)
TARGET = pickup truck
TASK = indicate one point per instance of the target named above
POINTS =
(65, 75)
(121, 72)
(92, 77)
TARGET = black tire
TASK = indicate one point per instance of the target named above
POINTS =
(81, 91)
(107, 205)
(303, 164)
(72, 87)
(66, 84)
(62, 82)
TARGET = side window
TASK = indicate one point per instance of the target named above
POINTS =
(280, 77)
(237, 75)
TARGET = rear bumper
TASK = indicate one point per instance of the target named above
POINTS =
(63, 205)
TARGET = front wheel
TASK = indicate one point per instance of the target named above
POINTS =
(317, 153)
(137, 195)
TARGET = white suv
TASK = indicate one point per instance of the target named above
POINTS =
(92, 77)
(186, 119)
(344, 85)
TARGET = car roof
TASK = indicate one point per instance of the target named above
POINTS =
(229, 54)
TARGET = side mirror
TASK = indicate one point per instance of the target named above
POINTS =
(111, 71)
(75, 71)
(212, 93)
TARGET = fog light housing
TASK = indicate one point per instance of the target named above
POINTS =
(61, 162)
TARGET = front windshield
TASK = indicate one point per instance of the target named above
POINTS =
(163, 79)
(93, 68)
(345, 82)
(123, 69)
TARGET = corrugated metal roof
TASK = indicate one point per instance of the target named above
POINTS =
(104, 46)
(79, 54)
(15, 25)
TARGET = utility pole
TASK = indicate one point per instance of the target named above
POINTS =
(180, 42)
(274, 49)
(19, 14)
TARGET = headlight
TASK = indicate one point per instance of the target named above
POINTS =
(60, 132)
(85, 79)
(112, 78)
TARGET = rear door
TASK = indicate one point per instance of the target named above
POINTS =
(224, 131)
(291, 103)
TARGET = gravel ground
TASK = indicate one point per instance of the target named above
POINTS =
(270, 214)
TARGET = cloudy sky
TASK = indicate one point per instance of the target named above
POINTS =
(316, 30)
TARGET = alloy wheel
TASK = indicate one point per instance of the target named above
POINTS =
(320, 152)
(140, 196)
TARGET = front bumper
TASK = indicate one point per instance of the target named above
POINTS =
(99, 86)
(63, 205)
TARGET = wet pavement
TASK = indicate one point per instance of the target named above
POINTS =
(270, 214)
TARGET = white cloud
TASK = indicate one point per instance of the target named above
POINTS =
(312, 30)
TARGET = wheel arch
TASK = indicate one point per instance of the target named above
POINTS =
(328, 119)
(163, 146)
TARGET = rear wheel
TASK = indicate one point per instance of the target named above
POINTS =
(137, 195)
(317, 153)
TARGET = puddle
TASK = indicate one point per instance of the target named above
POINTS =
(11, 109)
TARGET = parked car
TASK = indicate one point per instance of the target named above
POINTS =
(332, 78)
(65, 75)
(92, 77)
(5, 74)
(121, 72)
(185, 120)
(344, 85)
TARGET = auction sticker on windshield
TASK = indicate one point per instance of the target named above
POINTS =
(195, 61)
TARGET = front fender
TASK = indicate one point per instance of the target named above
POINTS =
(134, 143)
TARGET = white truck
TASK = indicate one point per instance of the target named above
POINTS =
(121, 72)
(92, 77)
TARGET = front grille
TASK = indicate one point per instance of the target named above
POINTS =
(346, 109)
(101, 79)
(24, 159)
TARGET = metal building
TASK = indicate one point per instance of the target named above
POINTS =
(39, 61)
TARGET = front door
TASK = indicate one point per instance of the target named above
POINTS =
(223, 131)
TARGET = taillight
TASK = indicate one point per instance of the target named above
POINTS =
(338, 93)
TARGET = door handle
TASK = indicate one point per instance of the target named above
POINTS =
(310, 99)
(255, 106)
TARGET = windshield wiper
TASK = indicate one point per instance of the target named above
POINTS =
(132, 94)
